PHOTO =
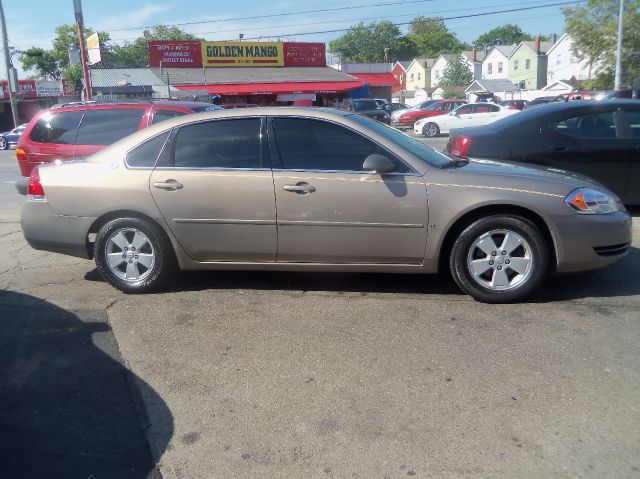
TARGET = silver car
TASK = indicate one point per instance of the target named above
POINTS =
(317, 190)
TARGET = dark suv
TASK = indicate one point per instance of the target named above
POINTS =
(367, 107)
(73, 131)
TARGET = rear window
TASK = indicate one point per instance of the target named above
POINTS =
(162, 115)
(56, 127)
(104, 127)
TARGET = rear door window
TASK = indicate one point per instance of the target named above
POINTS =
(633, 117)
(104, 127)
(60, 127)
(220, 144)
(146, 154)
(588, 126)
(161, 115)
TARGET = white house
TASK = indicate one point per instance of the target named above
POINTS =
(562, 64)
(495, 66)
(419, 73)
(472, 58)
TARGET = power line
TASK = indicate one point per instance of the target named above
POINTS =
(285, 14)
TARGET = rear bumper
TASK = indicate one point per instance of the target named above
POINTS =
(44, 230)
(586, 242)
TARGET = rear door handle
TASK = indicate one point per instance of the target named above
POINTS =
(301, 188)
(169, 185)
(558, 148)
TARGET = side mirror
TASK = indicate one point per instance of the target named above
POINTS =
(378, 164)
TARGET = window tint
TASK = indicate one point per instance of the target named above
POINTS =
(57, 127)
(104, 127)
(482, 108)
(161, 115)
(464, 110)
(494, 108)
(633, 116)
(306, 144)
(593, 125)
(219, 144)
(146, 154)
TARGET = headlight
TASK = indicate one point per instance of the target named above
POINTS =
(587, 201)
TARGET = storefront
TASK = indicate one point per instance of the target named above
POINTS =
(252, 73)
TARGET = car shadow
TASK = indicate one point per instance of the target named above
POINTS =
(620, 279)
(68, 405)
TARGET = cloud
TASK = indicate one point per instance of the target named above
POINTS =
(135, 18)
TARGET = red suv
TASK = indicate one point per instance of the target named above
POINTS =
(73, 131)
(408, 118)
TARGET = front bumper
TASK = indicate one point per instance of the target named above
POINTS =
(417, 129)
(44, 230)
(586, 242)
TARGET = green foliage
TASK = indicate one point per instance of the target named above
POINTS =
(54, 63)
(593, 27)
(432, 44)
(366, 43)
(452, 95)
(426, 25)
(457, 73)
(74, 76)
(506, 35)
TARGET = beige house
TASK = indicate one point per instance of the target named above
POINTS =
(419, 74)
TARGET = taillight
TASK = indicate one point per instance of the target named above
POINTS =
(21, 154)
(461, 146)
(35, 191)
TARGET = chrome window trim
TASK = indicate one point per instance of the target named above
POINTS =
(359, 172)
(209, 168)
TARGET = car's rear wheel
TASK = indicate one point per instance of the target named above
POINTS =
(500, 259)
(134, 255)
(430, 130)
(4, 144)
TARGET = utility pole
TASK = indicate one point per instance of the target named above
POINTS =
(618, 82)
(77, 10)
(11, 76)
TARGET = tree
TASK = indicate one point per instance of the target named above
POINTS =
(366, 43)
(431, 37)
(593, 29)
(456, 73)
(506, 35)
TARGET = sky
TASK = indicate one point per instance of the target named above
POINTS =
(32, 22)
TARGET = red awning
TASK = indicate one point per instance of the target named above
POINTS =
(377, 79)
(275, 88)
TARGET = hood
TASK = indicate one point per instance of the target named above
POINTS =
(518, 176)
(396, 114)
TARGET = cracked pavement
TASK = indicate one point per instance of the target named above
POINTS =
(287, 375)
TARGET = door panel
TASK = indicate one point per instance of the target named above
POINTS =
(219, 215)
(215, 191)
(331, 211)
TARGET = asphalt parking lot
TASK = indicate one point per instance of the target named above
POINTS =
(289, 375)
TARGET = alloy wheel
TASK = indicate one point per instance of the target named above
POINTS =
(130, 254)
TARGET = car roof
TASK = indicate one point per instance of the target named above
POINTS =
(89, 105)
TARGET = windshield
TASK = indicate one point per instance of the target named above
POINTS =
(422, 151)
(360, 105)
(425, 105)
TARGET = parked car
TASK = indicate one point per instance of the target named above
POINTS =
(439, 107)
(392, 107)
(368, 107)
(10, 138)
(317, 190)
(541, 100)
(471, 114)
(420, 106)
(598, 139)
(514, 104)
(72, 131)
(626, 93)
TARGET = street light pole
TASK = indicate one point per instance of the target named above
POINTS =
(618, 82)
(9, 67)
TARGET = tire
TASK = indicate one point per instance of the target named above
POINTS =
(4, 144)
(480, 268)
(120, 247)
(430, 130)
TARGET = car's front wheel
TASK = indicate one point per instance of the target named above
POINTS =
(134, 255)
(4, 144)
(430, 130)
(500, 259)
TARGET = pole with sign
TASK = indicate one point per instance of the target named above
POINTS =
(77, 10)
(93, 49)
(12, 77)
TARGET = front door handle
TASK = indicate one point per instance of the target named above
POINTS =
(300, 188)
(558, 148)
(169, 185)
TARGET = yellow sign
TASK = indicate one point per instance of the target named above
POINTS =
(242, 54)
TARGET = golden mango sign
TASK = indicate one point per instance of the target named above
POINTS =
(242, 54)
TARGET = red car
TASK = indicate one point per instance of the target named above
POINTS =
(73, 131)
(408, 118)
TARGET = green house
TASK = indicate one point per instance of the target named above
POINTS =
(528, 64)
